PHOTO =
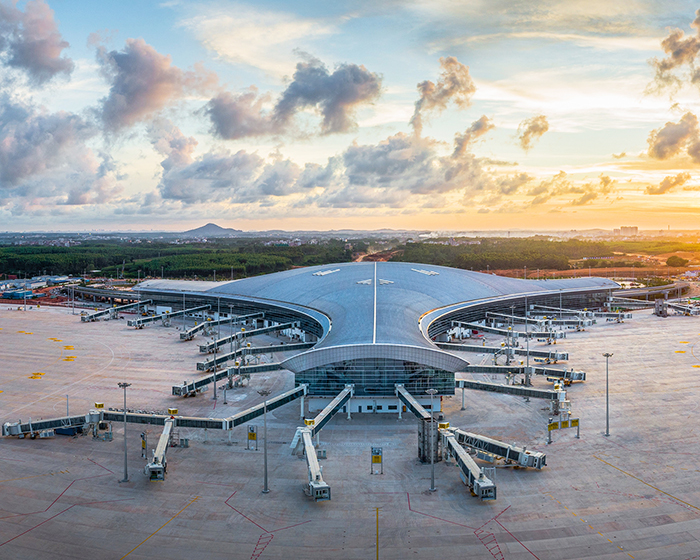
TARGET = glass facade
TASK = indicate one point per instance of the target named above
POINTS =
(376, 377)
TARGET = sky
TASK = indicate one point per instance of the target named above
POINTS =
(448, 115)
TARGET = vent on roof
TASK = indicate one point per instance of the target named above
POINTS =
(426, 272)
(382, 282)
(324, 272)
(367, 282)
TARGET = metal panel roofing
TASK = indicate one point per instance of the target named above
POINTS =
(378, 303)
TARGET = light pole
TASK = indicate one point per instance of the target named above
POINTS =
(432, 393)
(126, 472)
(265, 393)
(607, 355)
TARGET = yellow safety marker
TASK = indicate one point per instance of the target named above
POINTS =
(69, 348)
(684, 342)
(38, 373)
(0, 391)
(696, 365)
(680, 351)
(34, 377)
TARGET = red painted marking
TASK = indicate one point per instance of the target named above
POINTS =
(56, 515)
(263, 541)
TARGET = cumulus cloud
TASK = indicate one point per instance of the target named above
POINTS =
(673, 138)
(530, 130)
(669, 183)
(621, 155)
(30, 41)
(681, 51)
(46, 160)
(218, 176)
(335, 95)
(142, 82)
(478, 129)
(34, 142)
(455, 84)
(561, 184)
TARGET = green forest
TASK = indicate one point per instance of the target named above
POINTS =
(229, 258)
(506, 253)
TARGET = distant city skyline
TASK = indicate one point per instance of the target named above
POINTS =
(418, 115)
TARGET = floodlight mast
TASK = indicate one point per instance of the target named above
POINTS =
(126, 472)
(607, 356)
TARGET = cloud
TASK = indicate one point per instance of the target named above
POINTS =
(46, 160)
(681, 51)
(455, 84)
(621, 155)
(672, 138)
(142, 82)
(34, 142)
(241, 116)
(334, 95)
(669, 183)
(258, 38)
(30, 41)
(561, 184)
(478, 129)
(530, 130)
(238, 177)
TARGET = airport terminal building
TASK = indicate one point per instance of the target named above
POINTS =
(376, 325)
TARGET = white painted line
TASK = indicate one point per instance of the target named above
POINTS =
(374, 333)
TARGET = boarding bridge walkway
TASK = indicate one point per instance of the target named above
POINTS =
(683, 308)
(214, 346)
(512, 454)
(155, 470)
(209, 323)
(472, 475)
(566, 374)
(191, 388)
(629, 303)
(316, 487)
(411, 403)
(519, 390)
(214, 363)
(561, 311)
(141, 321)
(506, 332)
(553, 356)
(515, 319)
(112, 312)
(317, 424)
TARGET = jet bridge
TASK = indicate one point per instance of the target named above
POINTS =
(628, 303)
(142, 321)
(488, 448)
(214, 346)
(411, 403)
(567, 375)
(331, 409)
(112, 312)
(272, 404)
(189, 334)
(503, 318)
(506, 332)
(472, 475)
(303, 443)
(213, 363)
(191, 388)
(552, 356)
(519, 390)
(155, 470)
(316, 488)
(562, 311)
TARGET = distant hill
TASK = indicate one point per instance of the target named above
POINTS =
(210, 230)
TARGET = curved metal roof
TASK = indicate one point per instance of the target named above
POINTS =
(377, 303)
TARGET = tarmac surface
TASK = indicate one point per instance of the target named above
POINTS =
(634, 494)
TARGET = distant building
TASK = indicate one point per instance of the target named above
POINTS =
(629, 230)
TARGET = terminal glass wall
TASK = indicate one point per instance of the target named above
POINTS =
(376, 377)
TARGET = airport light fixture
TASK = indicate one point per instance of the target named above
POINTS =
(607, 356)
(432, 393)
(126, 472)
(265, 393)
